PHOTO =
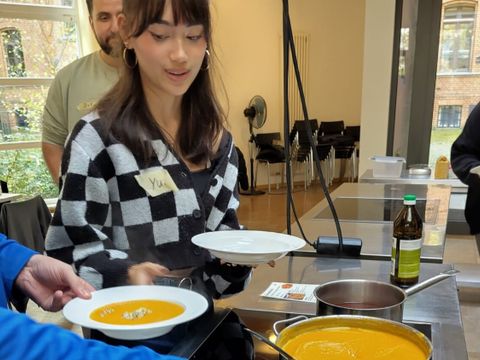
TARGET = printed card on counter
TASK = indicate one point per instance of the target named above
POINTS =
(290, 291)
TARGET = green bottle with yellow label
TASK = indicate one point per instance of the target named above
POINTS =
(406, 244)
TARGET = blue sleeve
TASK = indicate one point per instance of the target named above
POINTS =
(13, 258)
(23, 339)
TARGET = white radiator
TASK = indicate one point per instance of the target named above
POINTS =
(302, 42)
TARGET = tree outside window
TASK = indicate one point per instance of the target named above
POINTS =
(13, 50)
(37, 38)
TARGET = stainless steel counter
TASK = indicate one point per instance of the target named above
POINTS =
(376, 229)
(456, 219)
(457, 185)
(437, 305)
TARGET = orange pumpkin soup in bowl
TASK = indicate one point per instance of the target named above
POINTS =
(136, 312)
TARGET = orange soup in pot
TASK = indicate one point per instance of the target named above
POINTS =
(349, 343)
(136, 312)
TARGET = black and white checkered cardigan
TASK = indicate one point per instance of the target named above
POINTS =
(105, 222)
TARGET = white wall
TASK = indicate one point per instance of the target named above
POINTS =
(377, 60)
(248, 40)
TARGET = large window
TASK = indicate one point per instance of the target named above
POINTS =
(456, 41)
(458, 74)
(449, 116)
(39, 37)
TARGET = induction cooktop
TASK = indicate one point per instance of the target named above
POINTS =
(377, 210)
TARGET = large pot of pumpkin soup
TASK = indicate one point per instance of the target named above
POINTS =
(342, 337)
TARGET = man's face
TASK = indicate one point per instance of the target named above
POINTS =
(104, 22)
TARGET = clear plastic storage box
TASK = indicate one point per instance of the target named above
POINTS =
(387, 166)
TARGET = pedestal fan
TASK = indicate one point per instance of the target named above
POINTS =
(256, 112)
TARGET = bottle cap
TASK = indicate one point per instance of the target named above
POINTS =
(409, 199)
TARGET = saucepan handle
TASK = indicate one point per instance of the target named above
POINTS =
(429, 282)
(286, 321)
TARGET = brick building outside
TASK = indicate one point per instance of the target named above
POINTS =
(458, 74)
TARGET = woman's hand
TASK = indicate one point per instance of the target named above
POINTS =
(145, 273)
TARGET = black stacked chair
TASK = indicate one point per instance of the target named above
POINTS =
(302, 149)
(269, 152)
(333, 132)
(331, 128)
(354, 132)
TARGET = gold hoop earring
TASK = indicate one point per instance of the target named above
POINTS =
(125, 55)
(207, 58)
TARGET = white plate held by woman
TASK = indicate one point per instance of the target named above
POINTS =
(79, 311)
(248, 247)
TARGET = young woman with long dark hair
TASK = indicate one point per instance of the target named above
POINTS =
(154, 165)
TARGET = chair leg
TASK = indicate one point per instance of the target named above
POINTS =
(307, 167)
(268, 176)
(312, 166)
(333, 163)
(355, 164)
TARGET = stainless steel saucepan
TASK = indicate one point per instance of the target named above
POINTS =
(369, 297)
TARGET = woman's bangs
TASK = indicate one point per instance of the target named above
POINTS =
(142, 13)
(192, 12)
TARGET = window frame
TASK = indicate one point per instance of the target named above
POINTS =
(456, 21)
(43, 13)
(442, 110)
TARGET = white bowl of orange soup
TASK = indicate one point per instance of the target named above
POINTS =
(136, 312)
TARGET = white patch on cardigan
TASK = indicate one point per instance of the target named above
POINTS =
(220, 283)
(57, 238)
(93, 115)
(136, 212)
(79, 163)
(164, 155)
(108, 219)
(183, 202)
(112, 185)
(97, 190)
(92, 276)
(231, 177)
(214, 190)
(82, 251)
(214, 219)
(98, 230)
(122, 159)
(90, 141)
(73, 213)
(166, 230)
(120, 239)
(233, 203)
(116, 254)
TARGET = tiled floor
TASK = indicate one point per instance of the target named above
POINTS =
(267, 212)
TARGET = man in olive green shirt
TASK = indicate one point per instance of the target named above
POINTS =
(79, 85)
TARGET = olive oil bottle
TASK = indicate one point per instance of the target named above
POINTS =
(406, 244)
